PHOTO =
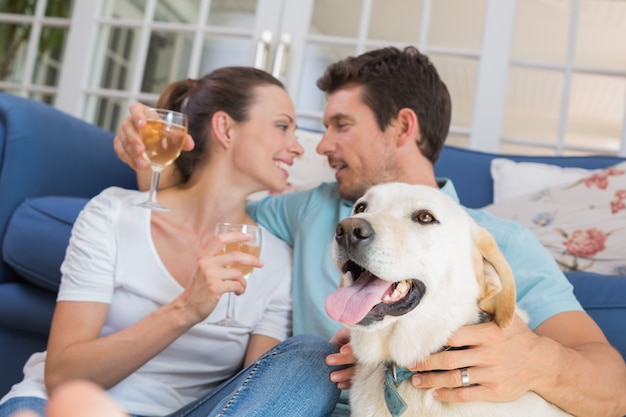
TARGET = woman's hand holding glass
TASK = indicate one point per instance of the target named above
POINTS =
(216, 274)
(250, 247)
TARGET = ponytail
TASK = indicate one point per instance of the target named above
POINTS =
(176, 95)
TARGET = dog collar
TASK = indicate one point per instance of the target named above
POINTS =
(394, 376)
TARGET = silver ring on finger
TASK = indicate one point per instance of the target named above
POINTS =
(465, 377)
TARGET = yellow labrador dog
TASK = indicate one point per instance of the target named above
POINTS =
(416, 267)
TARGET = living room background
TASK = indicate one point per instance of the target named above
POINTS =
(526, 76)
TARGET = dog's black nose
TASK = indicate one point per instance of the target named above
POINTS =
(353, 231)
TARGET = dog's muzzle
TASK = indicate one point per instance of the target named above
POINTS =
(369, 298)
(354, 232)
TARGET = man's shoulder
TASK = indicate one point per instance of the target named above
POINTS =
(328, 190)
(493, 223)
(509, 234)
(324, 193)
(514, 239)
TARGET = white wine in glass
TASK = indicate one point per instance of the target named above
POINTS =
(252, 247)
(163, 137)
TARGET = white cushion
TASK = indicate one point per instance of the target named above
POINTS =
(582, 223)
(512, 179)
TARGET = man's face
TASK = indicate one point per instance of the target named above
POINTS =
(361, 154)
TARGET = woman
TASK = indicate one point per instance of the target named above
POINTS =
(139, 288)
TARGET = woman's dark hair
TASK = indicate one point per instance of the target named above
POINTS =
(228, 89)
(394, 79)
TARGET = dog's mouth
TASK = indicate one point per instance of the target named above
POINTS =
(370, 298)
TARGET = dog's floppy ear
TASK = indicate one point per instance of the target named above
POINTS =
(494, 275)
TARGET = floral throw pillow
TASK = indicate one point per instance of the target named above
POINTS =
(583, 223)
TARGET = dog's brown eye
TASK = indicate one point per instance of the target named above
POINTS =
(360, 208)
(424, 217)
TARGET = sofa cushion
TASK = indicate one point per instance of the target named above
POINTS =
(583, 223)
(37, 236)
(513, 179)
(604, 298)
(470, 170)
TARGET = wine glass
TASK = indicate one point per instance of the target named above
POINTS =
(252, 247)
(163, 137)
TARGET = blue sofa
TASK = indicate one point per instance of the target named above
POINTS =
(50, 163)
(43, 152)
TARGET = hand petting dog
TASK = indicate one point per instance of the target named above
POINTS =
(429, 300)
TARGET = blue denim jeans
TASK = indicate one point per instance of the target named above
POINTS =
(38, 405)
(291, 379)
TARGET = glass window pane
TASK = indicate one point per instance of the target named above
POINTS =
(50, 56)
(59, 8)
(395, 20)
(521, 149)
(123, 9)
(533, 104)
(222, 51)
(167, 60)
(233, 14)
(456, 139)
(336, 18)
(13, 44)
(459, 74)
(316, 58)
(602, 23)
(43, 97)
(9, 90)
(457, 24)
(113, 69)
(106, 112)
(17, 7)
(541, 31)
(177, 11)
(596, 111)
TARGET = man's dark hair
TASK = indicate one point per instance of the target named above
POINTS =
(394, 79)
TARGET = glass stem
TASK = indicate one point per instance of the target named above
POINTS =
(230, 307)
(154, 185)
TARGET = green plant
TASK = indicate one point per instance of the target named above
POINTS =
(13, 36)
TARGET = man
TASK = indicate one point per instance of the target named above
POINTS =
(387, 117)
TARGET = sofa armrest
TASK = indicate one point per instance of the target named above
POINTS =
(37, 236)
(604, 298)
(44, 151)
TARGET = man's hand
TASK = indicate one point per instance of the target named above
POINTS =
(344, 357)
(499, 363)
(129, 148)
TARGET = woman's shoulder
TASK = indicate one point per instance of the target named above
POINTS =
(109, 203)
(114, 196)
(118, 193)
(297, 200)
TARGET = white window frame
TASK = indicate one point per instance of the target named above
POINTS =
(485, 132)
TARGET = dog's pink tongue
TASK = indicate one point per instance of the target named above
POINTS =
(349, 305)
